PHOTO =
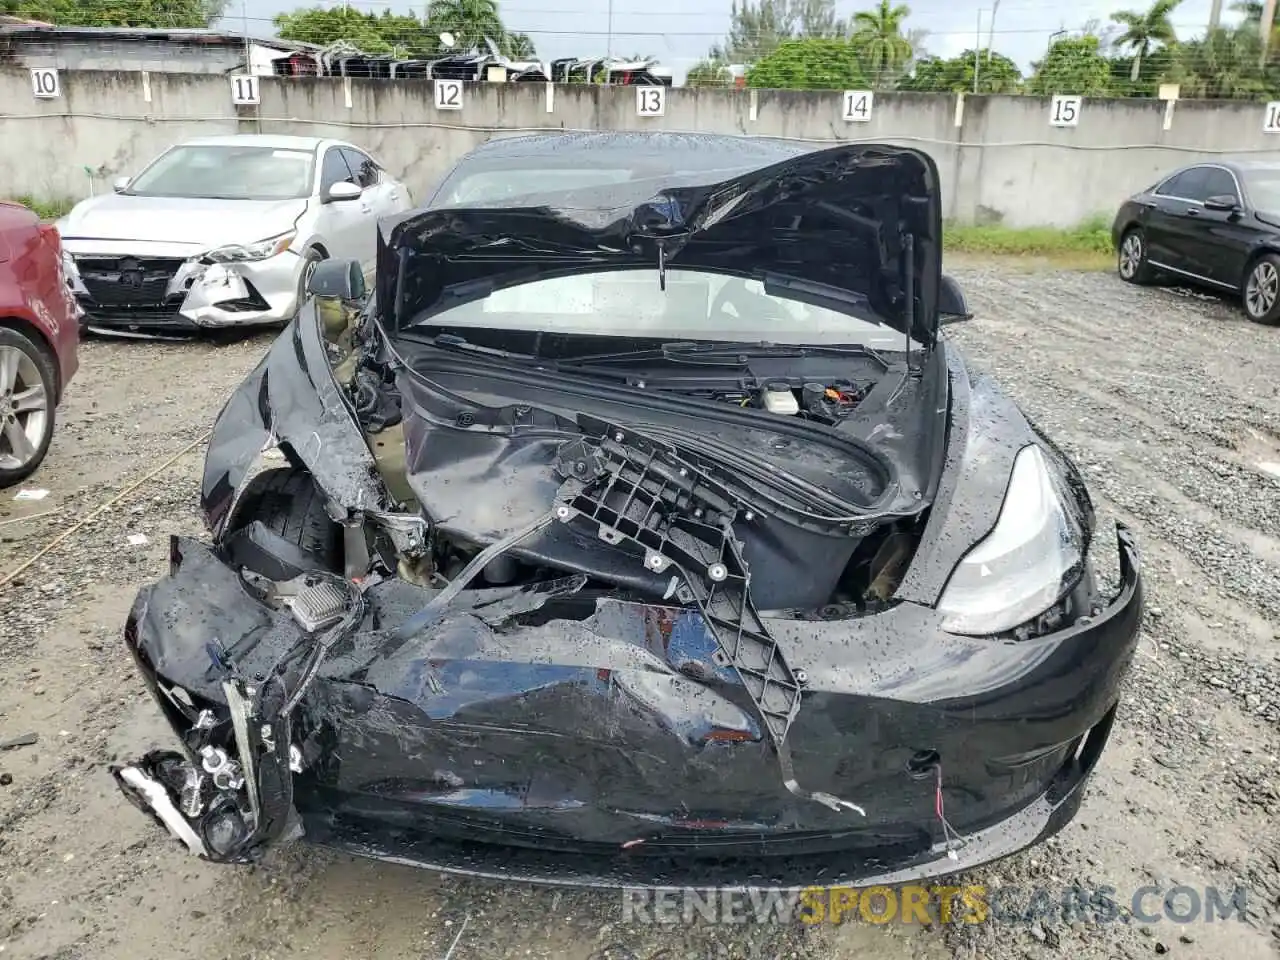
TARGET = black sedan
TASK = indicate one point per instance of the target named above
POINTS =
(1216, 225)
(641, 527)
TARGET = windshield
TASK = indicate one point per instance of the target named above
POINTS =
(696, 305)
(1264, 189)
(227, 172)
(495, 186)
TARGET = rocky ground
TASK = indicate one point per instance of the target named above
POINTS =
(1169, 402)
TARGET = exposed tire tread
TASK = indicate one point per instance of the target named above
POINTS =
(288, 503)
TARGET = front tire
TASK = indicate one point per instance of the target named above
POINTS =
(290, 505)
(28, 397)
(1131, 258)
(1262, 290)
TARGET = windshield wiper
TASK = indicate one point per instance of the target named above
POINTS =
(451, 341)
(727, 354)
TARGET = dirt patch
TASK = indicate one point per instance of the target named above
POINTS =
(1170, 405)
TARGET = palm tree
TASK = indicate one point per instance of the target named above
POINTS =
(1144, 29)
(878, 36)
(470, 21)
(518, 46)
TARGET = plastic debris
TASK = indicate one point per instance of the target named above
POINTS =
(31, 493)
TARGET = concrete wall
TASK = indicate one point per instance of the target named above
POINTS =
(126, 53)
(999, 158)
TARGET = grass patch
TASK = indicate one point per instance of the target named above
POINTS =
(46, 209)
(1084, 246)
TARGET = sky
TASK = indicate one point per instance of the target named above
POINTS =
(680, 33)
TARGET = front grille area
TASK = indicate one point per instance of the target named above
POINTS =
(134, 316)
(128, 282)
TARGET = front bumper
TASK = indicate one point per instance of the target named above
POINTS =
(184, 295)
(524, 741)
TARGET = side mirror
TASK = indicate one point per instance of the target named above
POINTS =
(120, 184)
(1223, 204)
(342, 190)
(952, 307)
(343, 279)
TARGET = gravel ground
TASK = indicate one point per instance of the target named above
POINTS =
(1168, 401)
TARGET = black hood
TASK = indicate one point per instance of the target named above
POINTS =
(865, 219)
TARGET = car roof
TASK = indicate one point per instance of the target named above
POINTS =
(1243, 166)
(258, 140)
(1229, 163)
(664, 152)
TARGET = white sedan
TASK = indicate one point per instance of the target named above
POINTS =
(223, 232)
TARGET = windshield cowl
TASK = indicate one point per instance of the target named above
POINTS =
(843, 222)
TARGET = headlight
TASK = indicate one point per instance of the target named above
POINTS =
(260, 250)
(1026, 564)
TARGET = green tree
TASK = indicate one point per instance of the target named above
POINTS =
(709, 73)
(1142, 31)
(388, 33)
(813, 63)
(1225, 63)
(1153, 70)
(115, 13)
(755, 31)
(877, 36)
(996, 74)
(470, 21)
(1073, 66)
(756, 27)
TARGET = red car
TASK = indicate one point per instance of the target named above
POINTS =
(39, 336)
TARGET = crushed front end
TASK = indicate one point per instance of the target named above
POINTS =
(553, 733)
(573, 630)
(164, 287)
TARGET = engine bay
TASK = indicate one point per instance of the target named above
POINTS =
(472, 456)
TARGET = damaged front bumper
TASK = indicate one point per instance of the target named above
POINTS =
(539, 734)
(121, 294)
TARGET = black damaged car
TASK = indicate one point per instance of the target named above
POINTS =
(639, 527)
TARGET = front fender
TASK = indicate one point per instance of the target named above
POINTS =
(292, 400)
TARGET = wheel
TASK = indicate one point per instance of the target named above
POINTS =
(287, 501)
(1262, 290)
(28, 396)
(1131, 259)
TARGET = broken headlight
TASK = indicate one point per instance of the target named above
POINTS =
(1027, 563)
(260, 250)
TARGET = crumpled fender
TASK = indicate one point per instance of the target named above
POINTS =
(292, 400)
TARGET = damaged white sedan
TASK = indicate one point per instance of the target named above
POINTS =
(223, 232)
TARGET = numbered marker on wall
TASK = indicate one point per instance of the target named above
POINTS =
(651, 101)
(1271, 119)
(245, 91)
(44, 83)
(856, 106)
(1064, 111)
(448, 94)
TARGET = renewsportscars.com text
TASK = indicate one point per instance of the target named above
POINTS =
(936, 904)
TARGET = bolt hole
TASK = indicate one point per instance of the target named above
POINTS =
(923, 763)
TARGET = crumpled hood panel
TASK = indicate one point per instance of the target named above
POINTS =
(838, 217)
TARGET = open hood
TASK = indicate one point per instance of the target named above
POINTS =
(860, 219)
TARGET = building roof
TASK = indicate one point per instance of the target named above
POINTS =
(12, 27)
